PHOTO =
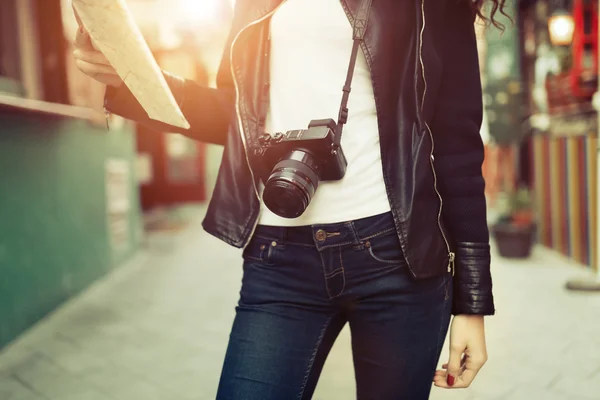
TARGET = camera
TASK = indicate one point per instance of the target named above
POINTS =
(298, 160)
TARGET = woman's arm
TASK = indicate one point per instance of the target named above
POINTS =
(208, 110)
(458, 158)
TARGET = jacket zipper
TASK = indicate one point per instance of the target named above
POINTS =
(451, 255)
(237, 109)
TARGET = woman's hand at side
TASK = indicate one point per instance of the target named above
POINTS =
(468, 353)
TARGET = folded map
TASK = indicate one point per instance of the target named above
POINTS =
(114, 32)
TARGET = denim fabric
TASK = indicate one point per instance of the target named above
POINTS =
(300, 287)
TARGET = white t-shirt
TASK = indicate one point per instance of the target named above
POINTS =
(311, 43)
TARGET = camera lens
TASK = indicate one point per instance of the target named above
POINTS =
(292, 184)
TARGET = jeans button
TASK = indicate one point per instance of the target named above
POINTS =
(321, 235)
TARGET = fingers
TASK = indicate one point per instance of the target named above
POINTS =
(473, 364)
(77, 16)
(467, 378)
(461, 382)
(95, 65)
(92, 69)
(91, 56)
(82, 39)
(454, 364)
(464, 360)
(470, 367)
(92, 62)
(109, 79)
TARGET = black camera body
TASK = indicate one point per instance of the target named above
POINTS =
(318, 140)
(297, 161)
(292, 164)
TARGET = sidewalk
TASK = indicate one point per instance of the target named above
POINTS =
(157, 328)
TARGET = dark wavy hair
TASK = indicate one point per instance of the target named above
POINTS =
(495, 7)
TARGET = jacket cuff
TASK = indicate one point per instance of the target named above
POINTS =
(120, 101)
(472, 282)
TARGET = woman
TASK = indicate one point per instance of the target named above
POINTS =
(393, 240)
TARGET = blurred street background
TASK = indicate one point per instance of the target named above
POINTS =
(111, 290)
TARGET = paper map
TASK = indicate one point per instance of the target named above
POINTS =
(115, 33)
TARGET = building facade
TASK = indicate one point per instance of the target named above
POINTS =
(553, 118)
(69, 209)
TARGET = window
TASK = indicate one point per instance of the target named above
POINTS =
(10, 59)
(32, 31)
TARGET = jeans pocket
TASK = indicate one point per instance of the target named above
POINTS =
(385, 249)
(262, 250)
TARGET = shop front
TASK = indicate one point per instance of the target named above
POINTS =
(560, 70)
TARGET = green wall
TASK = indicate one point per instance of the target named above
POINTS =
(54, 236)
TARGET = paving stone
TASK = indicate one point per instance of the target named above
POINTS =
(12, 389)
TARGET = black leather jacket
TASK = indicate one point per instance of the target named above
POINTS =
(423, 60)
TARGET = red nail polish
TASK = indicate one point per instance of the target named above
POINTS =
(450, 380)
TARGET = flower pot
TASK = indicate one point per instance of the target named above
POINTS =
(514, 240)
(522, 218)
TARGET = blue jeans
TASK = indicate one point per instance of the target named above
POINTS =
(300, 287)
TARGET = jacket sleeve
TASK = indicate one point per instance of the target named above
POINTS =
(208, 110)
(458, 158)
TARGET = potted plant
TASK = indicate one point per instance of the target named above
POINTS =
(514, 232)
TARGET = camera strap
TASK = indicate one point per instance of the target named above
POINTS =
(361, 21)
(359, 29)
